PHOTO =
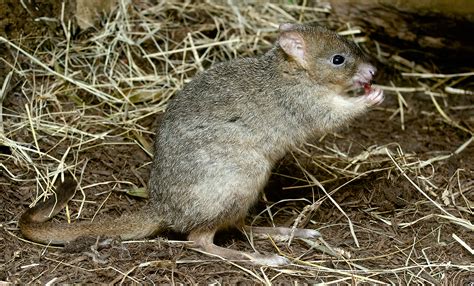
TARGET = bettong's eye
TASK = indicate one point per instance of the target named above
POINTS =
(338, 60)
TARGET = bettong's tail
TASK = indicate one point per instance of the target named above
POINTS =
(35, 223)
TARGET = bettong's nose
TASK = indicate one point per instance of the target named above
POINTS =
(367, 71)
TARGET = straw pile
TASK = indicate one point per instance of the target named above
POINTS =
(392, 195)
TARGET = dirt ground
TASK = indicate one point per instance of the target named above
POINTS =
(402, 236)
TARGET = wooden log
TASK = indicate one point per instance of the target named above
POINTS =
(444, 28)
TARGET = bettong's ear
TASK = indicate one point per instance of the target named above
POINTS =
(292, 43)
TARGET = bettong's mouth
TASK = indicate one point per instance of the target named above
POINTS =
(362, 81)
(365, 85)
(359, 87)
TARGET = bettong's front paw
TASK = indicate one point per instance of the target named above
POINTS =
(374, 96)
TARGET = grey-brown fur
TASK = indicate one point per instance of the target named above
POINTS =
(223, 133)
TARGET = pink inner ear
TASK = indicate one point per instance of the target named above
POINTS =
(293, 45)
(286, 27)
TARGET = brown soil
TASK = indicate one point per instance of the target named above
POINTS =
(382, 246)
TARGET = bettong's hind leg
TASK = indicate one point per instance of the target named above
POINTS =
(204, 241)
(281, 233)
